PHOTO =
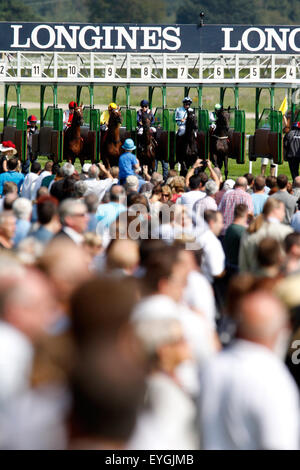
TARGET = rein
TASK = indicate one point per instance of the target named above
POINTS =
(221, 138)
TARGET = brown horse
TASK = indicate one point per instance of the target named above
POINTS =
(187, 150)
(73, 142)
(110, 140)
(147, 144)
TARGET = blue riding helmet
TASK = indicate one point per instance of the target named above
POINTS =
(296, 125)
(187, 99)
(144, 103)
(128, 145)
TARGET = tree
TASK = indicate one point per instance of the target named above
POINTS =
(124, 11)
(16, 11)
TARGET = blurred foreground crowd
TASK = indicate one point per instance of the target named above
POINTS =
(149, 315)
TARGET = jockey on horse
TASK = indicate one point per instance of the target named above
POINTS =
(213, 117)
(181, 115)
(104, 118)
(144, 109)
(68, 115)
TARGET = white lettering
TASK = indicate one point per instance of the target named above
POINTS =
(227, 46)
(96, 39)
(262, 39)
(34, 36)
(280, 41)
(295, 355)
(131, 40)
(170, 38)
(150, 39)
(107, 40)
(16, 28)
(62, 32)
(292, 40)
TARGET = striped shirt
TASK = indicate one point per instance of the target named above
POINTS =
(232, 199)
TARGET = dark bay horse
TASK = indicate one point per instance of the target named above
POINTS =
(186, 145)
(219, 142)
(73, 142)
(147, 145)
(110, 140)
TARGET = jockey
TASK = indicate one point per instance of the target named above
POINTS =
(181, 115)
(144, 109)
(213, 116)
(68, 115)
(31, 129)
(104, 118)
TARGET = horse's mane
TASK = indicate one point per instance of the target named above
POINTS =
(115, 118)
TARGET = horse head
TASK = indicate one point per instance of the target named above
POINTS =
(78, 116)
(223, 119)
(191, 121)
(146, 120)
(115, 118)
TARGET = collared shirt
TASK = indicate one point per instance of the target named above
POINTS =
(38, 183)
(99, 187)
(181, 113)
(207, 203)
(126, 165)
(289, 201)
(27, 185)
(213, 262)
(75, 236)
(248, 401)
(189, 200)
(13, 176)
(232, 199)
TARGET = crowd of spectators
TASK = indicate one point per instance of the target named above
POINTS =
(152, 314)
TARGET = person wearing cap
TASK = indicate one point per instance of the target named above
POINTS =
(181, 115)
(128, 163)
(31, 130)
(144, 109)
(68, 115)
(8, 150)
(291, 143)
(213, 116)
(104, 118)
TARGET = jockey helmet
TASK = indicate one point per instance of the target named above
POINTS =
(144, 103)
(218, 107)
(128, 145)
(296, 125)
(32, 118)
(187, 99)
(113, 106)
(72, 104)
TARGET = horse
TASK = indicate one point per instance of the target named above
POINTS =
(73, 142)
(147, 145)
(110, 141)
(219, 142)
(186, 145)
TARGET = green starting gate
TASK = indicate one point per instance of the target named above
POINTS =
(267, 140)
(15, 129)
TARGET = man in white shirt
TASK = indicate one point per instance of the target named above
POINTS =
(96, 186)
(248, 398)
(213, 263)
(38, 182)
(30, 180)
(196, 185)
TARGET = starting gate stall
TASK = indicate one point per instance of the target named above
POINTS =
(15, 124)
(129, 123)
(267, 140)
(90, 133)
(48, 140)
(219, 56)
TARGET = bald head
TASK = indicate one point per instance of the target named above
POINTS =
(297, 182)
(123, 254)
(241, 182)
(261, 319)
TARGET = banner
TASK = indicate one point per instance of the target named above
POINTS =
(187, 39)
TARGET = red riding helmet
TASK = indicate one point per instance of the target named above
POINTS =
(32, 118)
(73, 104)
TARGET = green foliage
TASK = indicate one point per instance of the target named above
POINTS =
(240, 12)
(122, 11)
(16, 10)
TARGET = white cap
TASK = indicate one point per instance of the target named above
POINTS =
(86, 167)
(229, 184)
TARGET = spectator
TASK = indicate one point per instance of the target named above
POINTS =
(288, 200)
(259, 195)
(233, 238)
(208, 202)
(8, 188)
(48, 219)
(12, 174)
(47, 171)
(29, 181)
(7, 229)
(232, 198)
(22, 209)
(47, 181)
(128, 162)
(96, 186)
(73, 217)
(262, 393)
(269, 223)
